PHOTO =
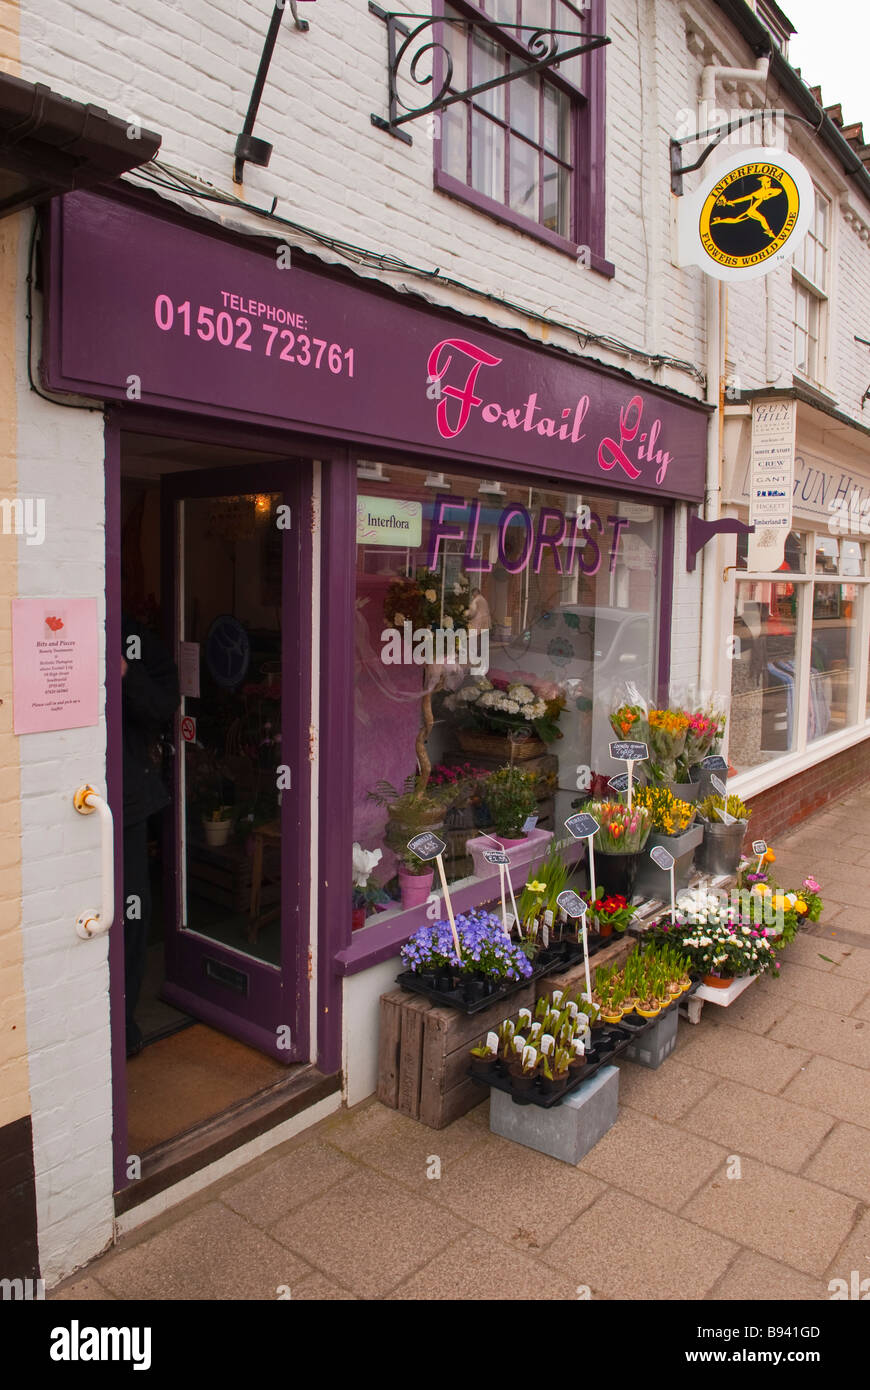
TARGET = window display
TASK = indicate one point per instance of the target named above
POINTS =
(494, 622)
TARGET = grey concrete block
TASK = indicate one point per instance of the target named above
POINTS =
(567, 1131)
(657, 1043)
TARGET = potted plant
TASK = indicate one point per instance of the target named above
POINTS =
(411, 810)
(673, 829)
(510, 795)
(608, 912)
(720, 850)
(488, 962)
(217, 824)
(506, 720)
(621, 837)
(485, 1055)
(721, 940)
(554, 1071)
(366, 895)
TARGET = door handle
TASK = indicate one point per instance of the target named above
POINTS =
(91, 923)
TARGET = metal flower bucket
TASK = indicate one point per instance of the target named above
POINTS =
(720, 852)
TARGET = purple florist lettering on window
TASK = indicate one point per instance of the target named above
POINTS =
(566, 537)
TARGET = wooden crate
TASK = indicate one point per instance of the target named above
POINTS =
(423, 1048)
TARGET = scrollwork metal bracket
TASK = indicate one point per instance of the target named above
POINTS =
(410, 45)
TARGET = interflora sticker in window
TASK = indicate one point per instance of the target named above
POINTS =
(496, 641)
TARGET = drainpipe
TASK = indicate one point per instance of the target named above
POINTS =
(716, 312)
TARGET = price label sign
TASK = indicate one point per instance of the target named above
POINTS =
(581, 826)
(759, 847)
(496, 856)
(720, 786)
(426, 846)
(715, 763)
(619, 783)
(529, 824)
(571, 903)
(659, 855)
(627, 752)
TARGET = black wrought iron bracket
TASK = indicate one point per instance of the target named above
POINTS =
(410, 45)
(699, 532)
(719, 133)
(249, 149)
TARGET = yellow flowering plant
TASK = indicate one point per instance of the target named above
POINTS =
(670, 816)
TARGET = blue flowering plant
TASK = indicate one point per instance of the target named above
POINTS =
(487, 950)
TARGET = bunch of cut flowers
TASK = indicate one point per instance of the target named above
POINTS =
(667, 739)
(629, 721)
(514, 709)
(621, 830)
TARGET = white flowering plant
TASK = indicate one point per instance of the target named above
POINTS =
(509, 709)
(717, 938)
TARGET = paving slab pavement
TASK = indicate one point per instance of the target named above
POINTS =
(369, 1204)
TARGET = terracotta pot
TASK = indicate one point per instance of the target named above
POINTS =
(358, 918)
(605, 928)
(719, 981)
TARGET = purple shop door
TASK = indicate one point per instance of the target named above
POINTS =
(236, 861)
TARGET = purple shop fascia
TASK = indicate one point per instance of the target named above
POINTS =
(188, 328)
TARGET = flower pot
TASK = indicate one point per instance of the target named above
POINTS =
(482, 1066)
(530, 847)
(499, 746)
(358, 918)
(719, 981)
(415, 888)
(613, 1017)
(685, 791)
(217, 832)
(649, 1013)
(616, 873)
(554, 1087)
(720, 851)
(605, 929)
(522, 1084)
(653, 882)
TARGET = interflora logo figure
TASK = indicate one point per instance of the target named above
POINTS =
(765, 190)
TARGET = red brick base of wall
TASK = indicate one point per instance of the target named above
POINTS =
(781, 807)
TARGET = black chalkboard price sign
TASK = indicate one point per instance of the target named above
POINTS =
(496, 856)
(571, 903)
(426, 846)
(581, 826)
(627, 752)
(619, 783)
(715, 763)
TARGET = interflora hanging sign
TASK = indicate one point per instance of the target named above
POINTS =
(142, 308)
(771, 482)
(749, 214)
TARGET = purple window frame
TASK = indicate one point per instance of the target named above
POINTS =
(587, 157)
(382, 941)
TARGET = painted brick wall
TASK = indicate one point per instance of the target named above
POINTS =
(775, 810)
(186, 70)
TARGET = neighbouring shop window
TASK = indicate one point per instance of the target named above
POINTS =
(810, 273)
(796, 638)
(520, 150)
(553, 597)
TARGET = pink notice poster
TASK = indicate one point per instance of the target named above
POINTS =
(55, 670)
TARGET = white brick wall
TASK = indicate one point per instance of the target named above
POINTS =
(66, 980)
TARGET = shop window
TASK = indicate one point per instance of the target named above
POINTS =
(547, 592)
(810, 275)
(782, 666)
(522, 151)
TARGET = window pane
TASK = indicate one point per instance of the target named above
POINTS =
(525, 96)
(565, 614)
(524, 179)
(487, 157)
(454, 148)
(556, 127)
(455, 40)
(556, 185)
(851, 558)
(827, 554)
(763, 691)
(832, 663)
(794, 552)
(536, 12)
(488, 61)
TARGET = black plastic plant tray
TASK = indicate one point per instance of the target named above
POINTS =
(454, 999)
(502, 1082)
